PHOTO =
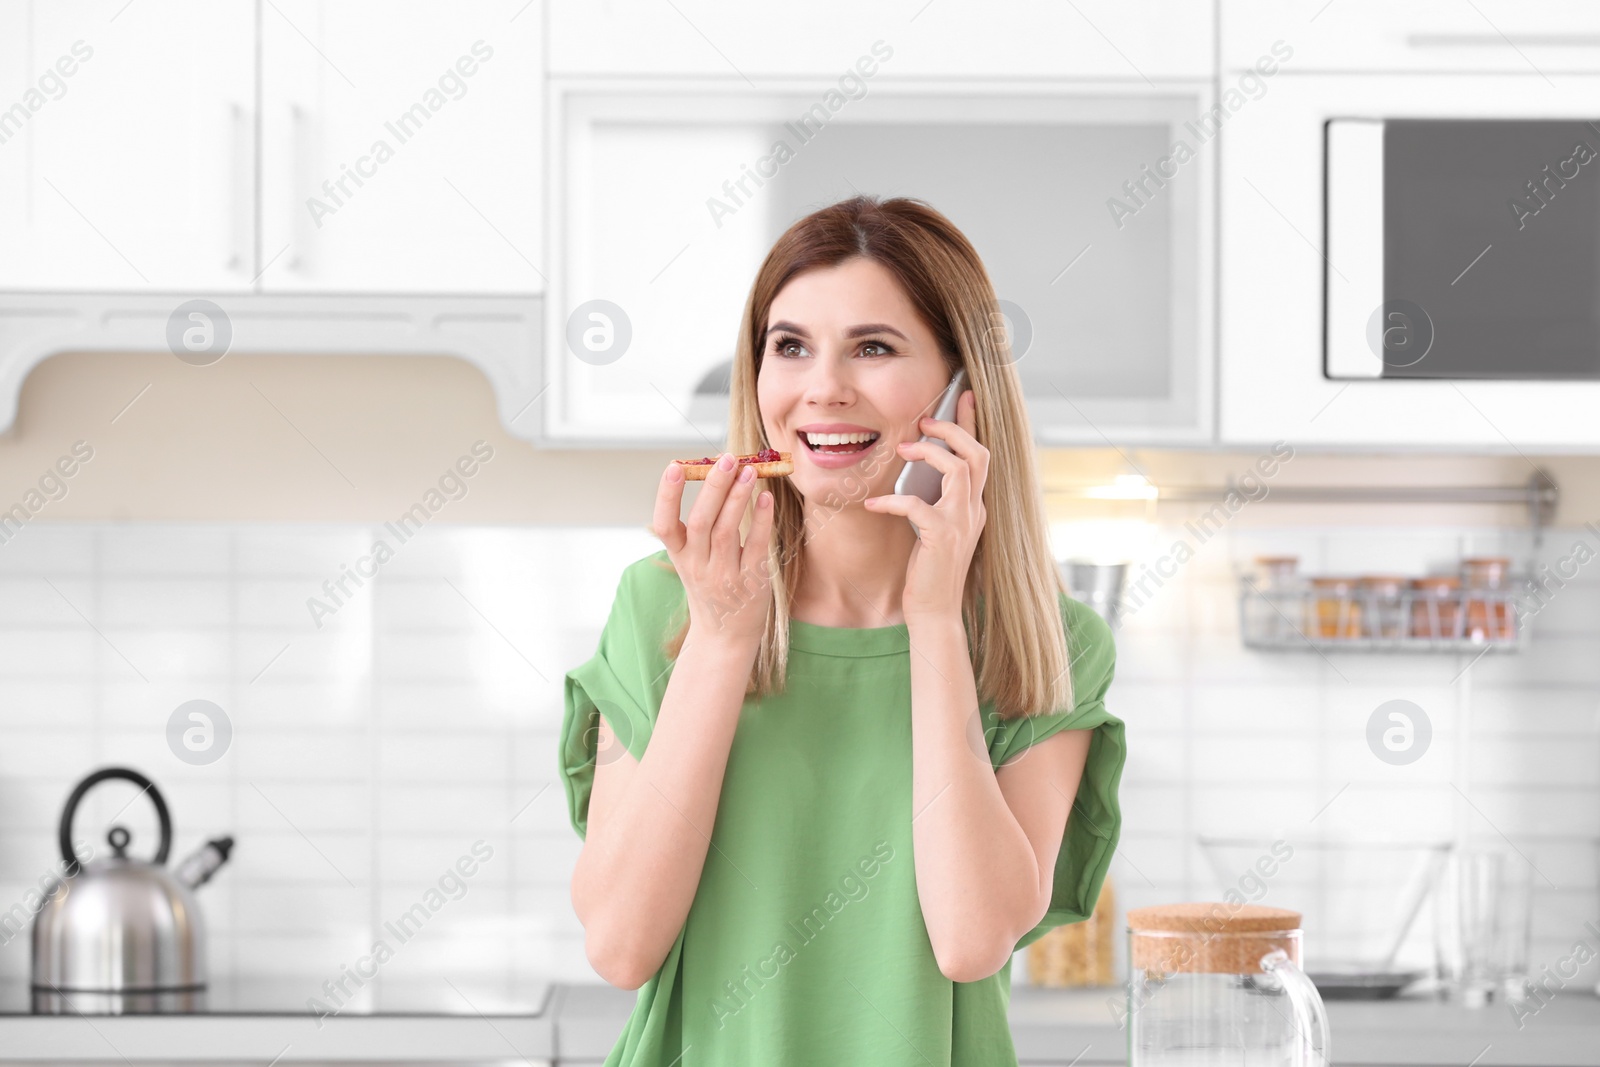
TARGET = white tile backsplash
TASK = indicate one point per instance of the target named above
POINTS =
(371, 751)
(1272, 739)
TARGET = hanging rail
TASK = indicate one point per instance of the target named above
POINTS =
(1540, 496)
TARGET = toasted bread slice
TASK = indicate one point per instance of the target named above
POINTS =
(696, 470)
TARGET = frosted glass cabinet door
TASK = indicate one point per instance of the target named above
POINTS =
(126, 145)
(661, 213)
(400, 144)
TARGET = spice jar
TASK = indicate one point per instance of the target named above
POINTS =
(1436, 606)
(1489, 616)
(1385, 613)
(1278, 616)
(1335, 608)
(1278, 572)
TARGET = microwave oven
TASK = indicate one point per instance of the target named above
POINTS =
(1462, 248)
(1390, 279)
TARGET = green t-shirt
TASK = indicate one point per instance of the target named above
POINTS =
(805, 943)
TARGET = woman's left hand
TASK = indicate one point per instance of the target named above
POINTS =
(947, 532)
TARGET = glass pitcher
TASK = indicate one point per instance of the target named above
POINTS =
(1214, 983)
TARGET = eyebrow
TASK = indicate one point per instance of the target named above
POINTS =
(854, 331)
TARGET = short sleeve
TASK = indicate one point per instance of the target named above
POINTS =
(1094, 824)
(623, 681)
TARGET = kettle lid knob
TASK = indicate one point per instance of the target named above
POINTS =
(118, 839)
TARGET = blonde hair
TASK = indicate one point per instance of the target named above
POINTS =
(1019, 641)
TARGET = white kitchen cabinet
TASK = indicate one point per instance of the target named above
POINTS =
(390, 147)
(1110, 313)
(1498, 36)
(1148, 39)
(401, 147)
(1022, 122)
(135, 185)
(126, 145)
(1276, 259)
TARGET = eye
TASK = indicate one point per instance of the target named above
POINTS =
(879, 345)
(783, 342)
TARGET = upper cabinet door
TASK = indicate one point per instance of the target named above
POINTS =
(126, 145)
(401, 146)
(1150, 39)
(1441, 36)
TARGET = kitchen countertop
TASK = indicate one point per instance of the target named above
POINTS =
(581, 1022)
(268, 1020)
(1053, 1026)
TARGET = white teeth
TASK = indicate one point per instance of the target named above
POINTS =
(839, 438)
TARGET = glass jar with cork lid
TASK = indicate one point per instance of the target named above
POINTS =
(1213, 983)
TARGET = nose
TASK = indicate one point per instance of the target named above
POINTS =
(829, 382)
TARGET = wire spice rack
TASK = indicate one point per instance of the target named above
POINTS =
(1353, 619)
(1409, 615)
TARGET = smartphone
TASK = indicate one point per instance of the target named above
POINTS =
(919, 477)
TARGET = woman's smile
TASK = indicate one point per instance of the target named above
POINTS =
(834, 446)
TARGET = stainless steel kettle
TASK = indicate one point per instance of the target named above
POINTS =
(122, 935)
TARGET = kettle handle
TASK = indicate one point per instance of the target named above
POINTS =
(145, 784)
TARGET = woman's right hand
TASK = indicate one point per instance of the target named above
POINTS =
(727, 585)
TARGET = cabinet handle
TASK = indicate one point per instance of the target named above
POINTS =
(1495, 40)
(300, 234)
(240, 203)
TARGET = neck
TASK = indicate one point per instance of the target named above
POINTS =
(855, 567)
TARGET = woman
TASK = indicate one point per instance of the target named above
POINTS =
(808, 839)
